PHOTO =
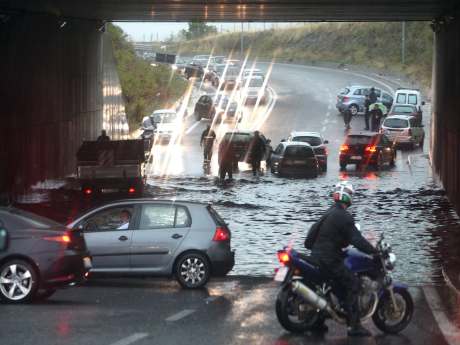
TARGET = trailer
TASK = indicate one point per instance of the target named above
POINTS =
(111, 166)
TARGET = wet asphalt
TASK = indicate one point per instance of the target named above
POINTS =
(146, 311)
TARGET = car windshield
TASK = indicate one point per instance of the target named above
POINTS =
(164, 117)
(358, 139)
(313, 141)
(403, 109)
(256, 83)
(396, 123)
(298, 152)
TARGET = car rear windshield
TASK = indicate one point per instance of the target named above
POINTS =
(256, 82)
(313, 141)
(164, 117)
(396, 123)
(215, 216)
(237, 137)
(401, 98)
(344, 91)
(403, 109)
(412, 99)
(358, 139)
(298, 152)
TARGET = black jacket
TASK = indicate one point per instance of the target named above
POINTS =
(256, 149)
(338, 231)
(372, 97)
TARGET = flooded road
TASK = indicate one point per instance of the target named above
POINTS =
(266, 213)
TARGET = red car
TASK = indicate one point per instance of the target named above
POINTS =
(367, 149)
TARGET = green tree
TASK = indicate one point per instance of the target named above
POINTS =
(145, 87)
(197, 29)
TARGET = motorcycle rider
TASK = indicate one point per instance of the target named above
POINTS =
(207, 139)
(336, 230)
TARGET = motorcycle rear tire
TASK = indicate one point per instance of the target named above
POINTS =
(282, 313)
(380, 322)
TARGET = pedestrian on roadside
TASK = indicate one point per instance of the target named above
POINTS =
(103, 137)
(207, 141)
(347, 118)
(376, 117)
(367, 103)
(226, 157)
(256, 152)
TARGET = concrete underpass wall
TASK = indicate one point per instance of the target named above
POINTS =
(52, 88)
(445, 146)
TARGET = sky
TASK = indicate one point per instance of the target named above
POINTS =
(149, 31)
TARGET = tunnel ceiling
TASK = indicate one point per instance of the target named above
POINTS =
(233, 10)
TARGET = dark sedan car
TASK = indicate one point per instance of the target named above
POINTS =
(38, 256)
(294, 159)
(367, 148)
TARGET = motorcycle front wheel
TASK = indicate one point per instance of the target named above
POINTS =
(290, 315)
(392, 321)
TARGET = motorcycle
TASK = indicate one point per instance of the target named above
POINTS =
(307, 298)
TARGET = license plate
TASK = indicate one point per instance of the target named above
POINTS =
(356, 157)
(299, 162)
(109, 190)
(281, 274)
(87, 262)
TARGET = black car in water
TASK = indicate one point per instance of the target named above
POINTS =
(37, 256)
(366, 148)
(205, 108)
(241, 141)
(294, 158)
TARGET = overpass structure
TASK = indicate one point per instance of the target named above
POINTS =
(52, 68)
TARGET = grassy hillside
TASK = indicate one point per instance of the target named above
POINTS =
(144, 87)
(375, 45)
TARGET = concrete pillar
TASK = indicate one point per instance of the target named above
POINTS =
(51, 86)
(445, 127)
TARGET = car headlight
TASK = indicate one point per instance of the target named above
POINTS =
(390, 261)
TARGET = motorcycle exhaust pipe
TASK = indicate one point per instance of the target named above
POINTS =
(309, 296)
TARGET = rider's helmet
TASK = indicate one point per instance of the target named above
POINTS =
(343, 192)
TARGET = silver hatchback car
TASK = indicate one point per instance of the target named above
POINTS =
(353, 97)
(146, 236)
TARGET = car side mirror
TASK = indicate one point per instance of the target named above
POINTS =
(283, 140)
(326, 141)
(423, 102)
(3, 239)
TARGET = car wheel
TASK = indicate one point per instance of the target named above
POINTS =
(192, 270)
(393, 160)
(324, 167)
(353, 109)
(18, 281)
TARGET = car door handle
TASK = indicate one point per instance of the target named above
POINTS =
(123, 238)
(176, 236)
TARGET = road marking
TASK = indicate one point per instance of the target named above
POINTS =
(192, 127)
(180, 315)
(131, 339)
(449, 331)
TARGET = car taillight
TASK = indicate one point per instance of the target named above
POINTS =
(344, 148)
(222, 234)
(131, 190)
(87, 191)
(283, 257)
(62, 238)
(345, 99)
(371, 149)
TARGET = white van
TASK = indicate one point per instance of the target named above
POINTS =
(409, 96)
